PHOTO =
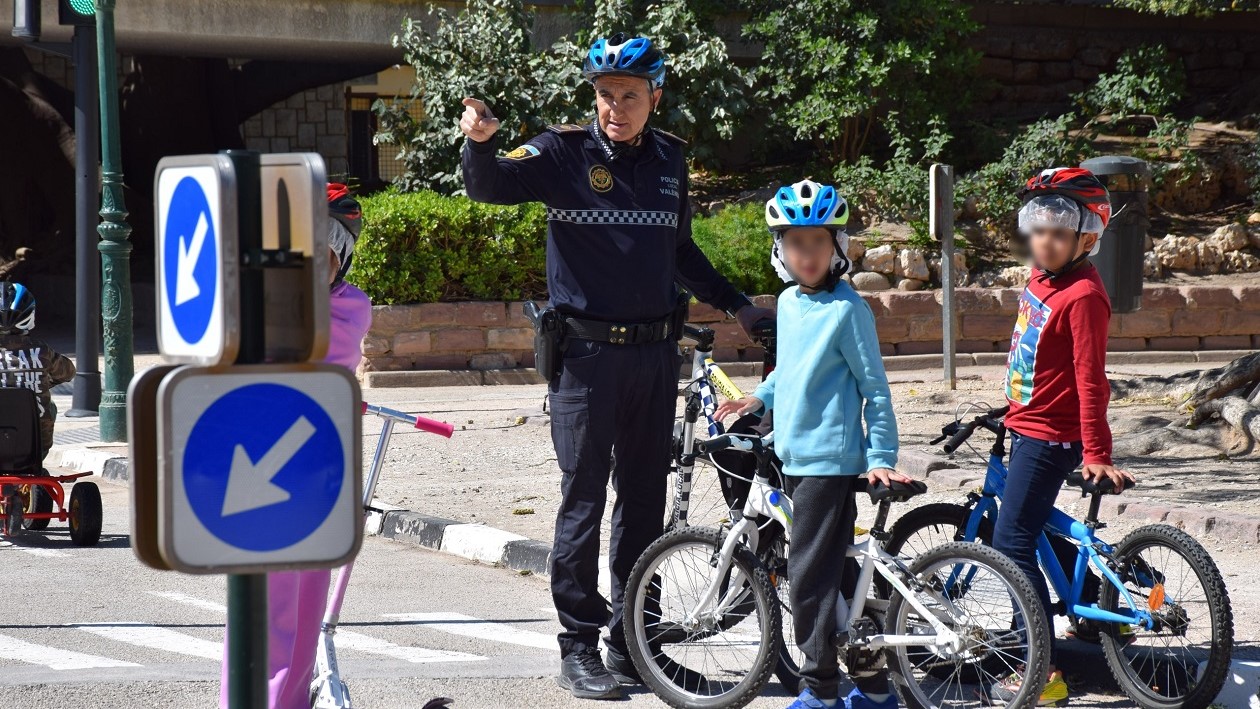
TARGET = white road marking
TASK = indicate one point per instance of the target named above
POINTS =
(348, 640)
(53, 658)
(156, 638)
(468, 626)
(35, 551)
(190, 600)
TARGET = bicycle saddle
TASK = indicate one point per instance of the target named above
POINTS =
(899, 492)
(1091, 487)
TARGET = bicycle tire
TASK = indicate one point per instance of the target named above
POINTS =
(1212, 677)
(638, 625)
(1036, 661)
(944, 517)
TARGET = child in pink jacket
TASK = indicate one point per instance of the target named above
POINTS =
(296, 599)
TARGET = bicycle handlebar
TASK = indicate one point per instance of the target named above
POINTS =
(959, 432)
(441, 428)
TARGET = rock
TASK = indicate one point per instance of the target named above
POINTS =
(1241, 262)
(910, 284)
(1253, 235)
(1209, 257)
(855, 251)
(1253, 218)
(960, 268)
(1230, 237)
(1014, 276)
(912, 264)
(1151, 268)
(880, 260)
(869, 280)
(1178, 252)
(971, 208)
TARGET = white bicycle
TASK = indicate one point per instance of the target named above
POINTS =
(705, 632)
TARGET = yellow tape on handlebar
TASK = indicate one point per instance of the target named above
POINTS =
(721, 382)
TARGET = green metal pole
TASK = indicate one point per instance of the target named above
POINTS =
(114, 246)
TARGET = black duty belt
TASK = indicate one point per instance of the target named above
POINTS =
(619, 333)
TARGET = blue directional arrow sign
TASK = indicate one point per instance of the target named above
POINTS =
(197, 258)
(260, 467)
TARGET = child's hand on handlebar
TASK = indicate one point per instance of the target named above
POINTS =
(1120, 479)
(887, 476)
(746, 405)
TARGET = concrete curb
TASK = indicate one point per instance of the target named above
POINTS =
(892, 363)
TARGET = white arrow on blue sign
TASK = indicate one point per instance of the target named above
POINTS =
(260, 468)
(197, 257)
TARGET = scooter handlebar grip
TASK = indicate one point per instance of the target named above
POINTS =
(441, 428)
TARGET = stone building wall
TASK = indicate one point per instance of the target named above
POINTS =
(1037, 54)
(312, 121)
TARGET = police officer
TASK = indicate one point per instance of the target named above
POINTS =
(618, 238)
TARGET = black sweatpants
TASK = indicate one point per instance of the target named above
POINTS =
(824, 511)
(608, 397)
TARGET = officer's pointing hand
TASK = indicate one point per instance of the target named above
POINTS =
(478, 123)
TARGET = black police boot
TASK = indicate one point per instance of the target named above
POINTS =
(583, 673)
(620, 666)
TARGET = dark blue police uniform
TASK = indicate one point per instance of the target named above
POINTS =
(618, 238)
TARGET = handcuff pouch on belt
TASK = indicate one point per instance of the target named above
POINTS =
(681, 309)
(548, 339)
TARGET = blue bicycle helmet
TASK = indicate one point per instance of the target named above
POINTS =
(809, 204)
(620, 55)
(17, 308)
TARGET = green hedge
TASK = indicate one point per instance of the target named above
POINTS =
(737, 242)
(422, 247)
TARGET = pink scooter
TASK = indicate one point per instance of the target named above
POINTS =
(328, 690)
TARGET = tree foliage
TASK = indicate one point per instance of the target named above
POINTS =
(1147, 80)
(833, 69)
(483, 51)
(1180, 8)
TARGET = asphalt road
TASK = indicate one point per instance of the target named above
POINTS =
(94, 628)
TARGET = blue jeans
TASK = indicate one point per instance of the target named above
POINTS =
(1037, 470)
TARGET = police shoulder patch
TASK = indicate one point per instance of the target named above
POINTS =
(566, 128)
(669, 136)
(522, 153)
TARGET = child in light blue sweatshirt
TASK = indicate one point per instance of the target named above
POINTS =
(830, 377)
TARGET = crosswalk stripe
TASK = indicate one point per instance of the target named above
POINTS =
(35, 551)
(468, 626)
(190, 600)
(53, 658)
(348, 640)
(156, 638)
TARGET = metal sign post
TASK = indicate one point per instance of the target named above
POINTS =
(942, 226)
(242, 467)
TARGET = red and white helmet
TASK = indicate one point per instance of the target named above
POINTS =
(1069, 197)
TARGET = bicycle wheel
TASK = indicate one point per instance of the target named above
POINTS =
(1001, 628)
(705, 662)
(928, 527)
(1182, 662)
(774, 557)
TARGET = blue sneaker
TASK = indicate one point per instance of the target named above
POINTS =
(858, 700)
(809, 700)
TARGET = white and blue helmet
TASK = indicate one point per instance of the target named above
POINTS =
(808, 204)
(621, 55)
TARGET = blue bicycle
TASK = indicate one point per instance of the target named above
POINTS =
(1158, 604)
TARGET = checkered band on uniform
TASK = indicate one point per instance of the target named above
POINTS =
(613, 216)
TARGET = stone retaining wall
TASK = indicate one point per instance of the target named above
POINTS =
(497, 336)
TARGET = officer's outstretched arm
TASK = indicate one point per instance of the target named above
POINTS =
(524, 174)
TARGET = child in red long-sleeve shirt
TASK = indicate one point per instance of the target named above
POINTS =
(1056, 380)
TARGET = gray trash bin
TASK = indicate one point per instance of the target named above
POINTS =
(1119, 259)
